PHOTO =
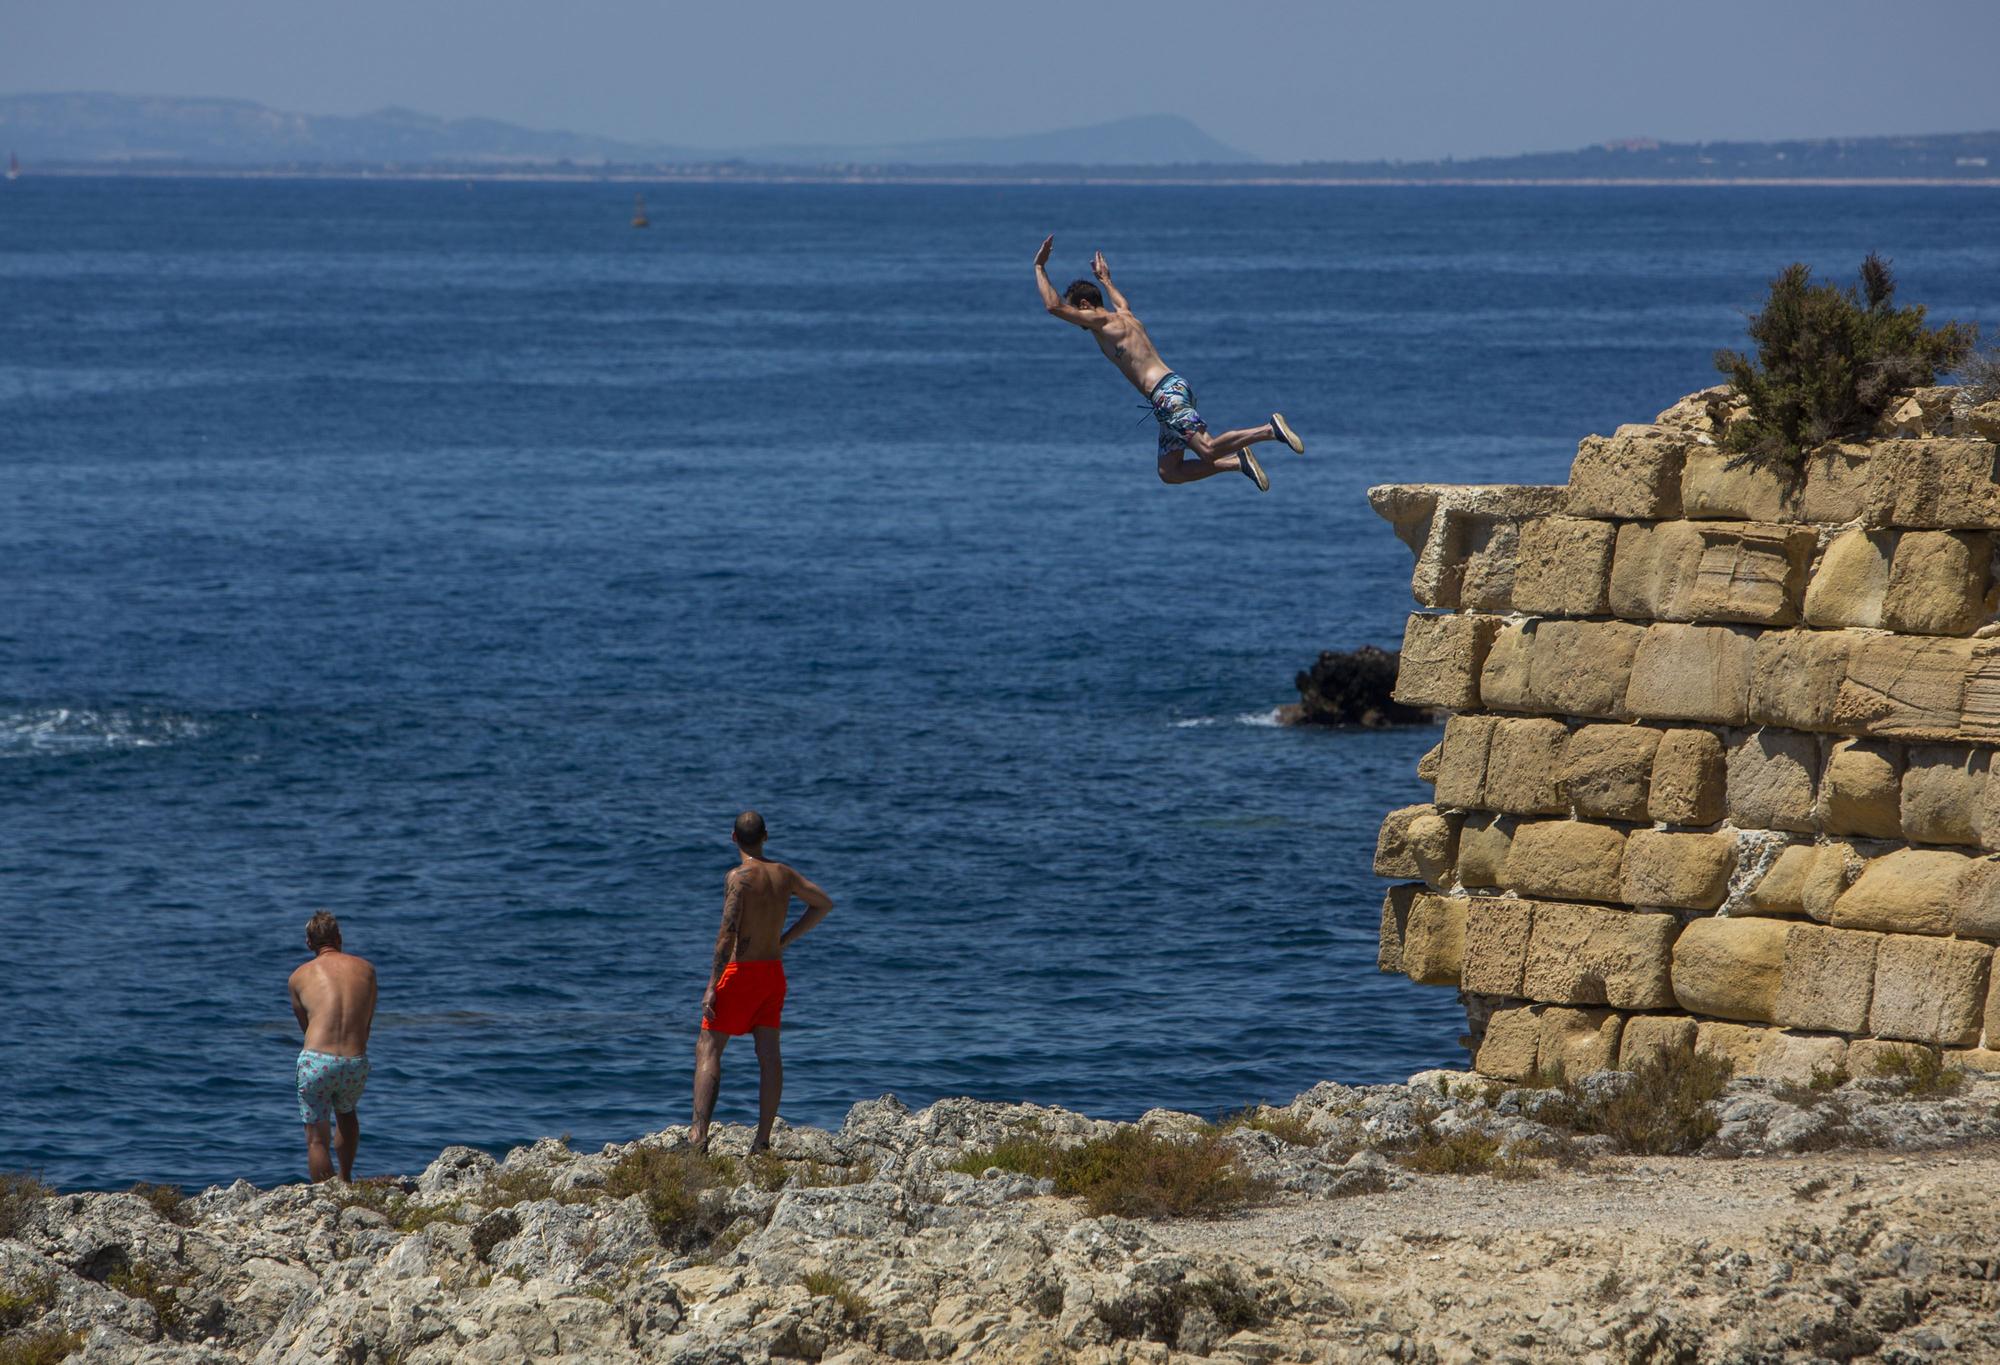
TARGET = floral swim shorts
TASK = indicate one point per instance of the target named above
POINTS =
(329, 1085)
(1173, 408)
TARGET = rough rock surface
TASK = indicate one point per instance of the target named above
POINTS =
(1352, 687)
(862, 1246)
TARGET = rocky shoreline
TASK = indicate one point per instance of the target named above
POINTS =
(1450, 1219)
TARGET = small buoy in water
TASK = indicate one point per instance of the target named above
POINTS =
(639, 218)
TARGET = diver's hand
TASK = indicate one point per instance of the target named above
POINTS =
(1100, 267)
(708, 1005)
(1042, 256)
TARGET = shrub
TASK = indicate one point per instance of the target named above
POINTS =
(1466, 1152)
(823, 1284)
(41, 1348)
(671, 1184)
(1286, 1127)
(1665, 1107)
(20, 1195)
(1829, 360)
(1132, 1173)
(1980, 376)
(385, 1195)
(1920, 1072)
(19, 1307)
(151, 1285)
(167, 1200)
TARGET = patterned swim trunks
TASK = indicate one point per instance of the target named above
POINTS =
(329, 1085)
(1173, 408)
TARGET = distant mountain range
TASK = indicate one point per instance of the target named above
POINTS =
(128, 133)
(137, 130)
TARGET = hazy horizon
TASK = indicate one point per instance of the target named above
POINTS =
(1448, 78)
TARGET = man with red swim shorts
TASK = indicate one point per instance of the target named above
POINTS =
(746, 985)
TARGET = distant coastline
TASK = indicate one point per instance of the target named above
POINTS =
(780, 176)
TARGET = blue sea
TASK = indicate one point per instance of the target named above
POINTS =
(459, 559)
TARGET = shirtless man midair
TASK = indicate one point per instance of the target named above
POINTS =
(333, 997)
(746, 984)
(1122, 338)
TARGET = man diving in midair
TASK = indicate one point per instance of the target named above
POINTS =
(1122, 338)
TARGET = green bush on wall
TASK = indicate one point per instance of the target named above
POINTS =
(1829, 360)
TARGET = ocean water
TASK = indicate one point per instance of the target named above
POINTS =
(461, 560)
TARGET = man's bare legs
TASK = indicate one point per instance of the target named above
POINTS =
(770, 1084)
(319, 1165)
(1213, 454)
(708, 1045)
(347, 1137)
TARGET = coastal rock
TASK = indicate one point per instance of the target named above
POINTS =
(1352, 687)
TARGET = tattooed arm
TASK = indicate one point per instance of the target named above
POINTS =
(725, 941)
(817, 904)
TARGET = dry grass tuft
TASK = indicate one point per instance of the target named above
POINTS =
(671, 1183)
(1665, 1109)
(168, 1201)
(1920, 1072)
(20, 1195)
(39, 1348)
(824, 1284)
(1132, 1173)
(1286, 1127)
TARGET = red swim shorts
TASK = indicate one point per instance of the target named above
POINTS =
(749, 995)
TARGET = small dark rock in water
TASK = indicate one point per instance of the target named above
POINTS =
(1351, 687)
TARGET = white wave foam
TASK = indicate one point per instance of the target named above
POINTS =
(65, 729)
(1261, 719)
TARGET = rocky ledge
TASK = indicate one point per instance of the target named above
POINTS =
(1450, 1219)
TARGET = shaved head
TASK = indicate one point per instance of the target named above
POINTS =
(749, 831)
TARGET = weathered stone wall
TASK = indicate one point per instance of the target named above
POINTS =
(1718, 768)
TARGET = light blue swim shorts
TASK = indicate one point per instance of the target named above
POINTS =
(329, 1085)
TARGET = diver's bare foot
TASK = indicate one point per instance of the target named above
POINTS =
(1286, 434)
(1254, 471)
(759, 1148)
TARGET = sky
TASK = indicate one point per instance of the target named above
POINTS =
(1311, 79)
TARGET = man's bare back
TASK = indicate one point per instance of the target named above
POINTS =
(763, 891)
(334, 998)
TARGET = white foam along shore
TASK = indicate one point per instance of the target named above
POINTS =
(1859, 1216)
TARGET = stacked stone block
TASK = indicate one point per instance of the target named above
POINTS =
(1717, 766)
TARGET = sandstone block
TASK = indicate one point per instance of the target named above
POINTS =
(1730, 968)
(1496, 945)
(1441, 659)
(1653, 570)
(1680, 871)
(1979, 708)
(1443, 523)
(1755, 574)
(1862, 792)
(1695, 414)
(1929, 990)
(1563, 566)
(1687, 786)
(1590, 955)
(1649, 1036)
(1910, 891)
(1945, 484)
(1752, 491)
(1984, 420)
(1483, 843)
(1608, 769)
(1427, 766)
(1741, 1045)
(1874, 1057)
(1827, 978)
(1992, 1038)
(1835, 868)
(1693, 673)
(1976, 913)
(1486, 568)
(1583, 668)
(1417, 841)
(1795, 1057)
(1395, 914)
(1564, 860)
(1944, 792)
(1434, 940)
(1509, 1048)
(1503, 680)
(1575, 1043)
(1633, 475)
(1461, 771)
(1851, 580)
(1844, 485)
(1937, 582)
(1921, 412)
(1973, 1058)
(1524, 768)
(1904, 687)
(1774, 780)
(1795, 677)
(1781, 890)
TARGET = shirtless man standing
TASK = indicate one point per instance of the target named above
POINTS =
(334, 998)
(1122, 338)
(746, 984)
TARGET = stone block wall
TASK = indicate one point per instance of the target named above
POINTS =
(1718, 770)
